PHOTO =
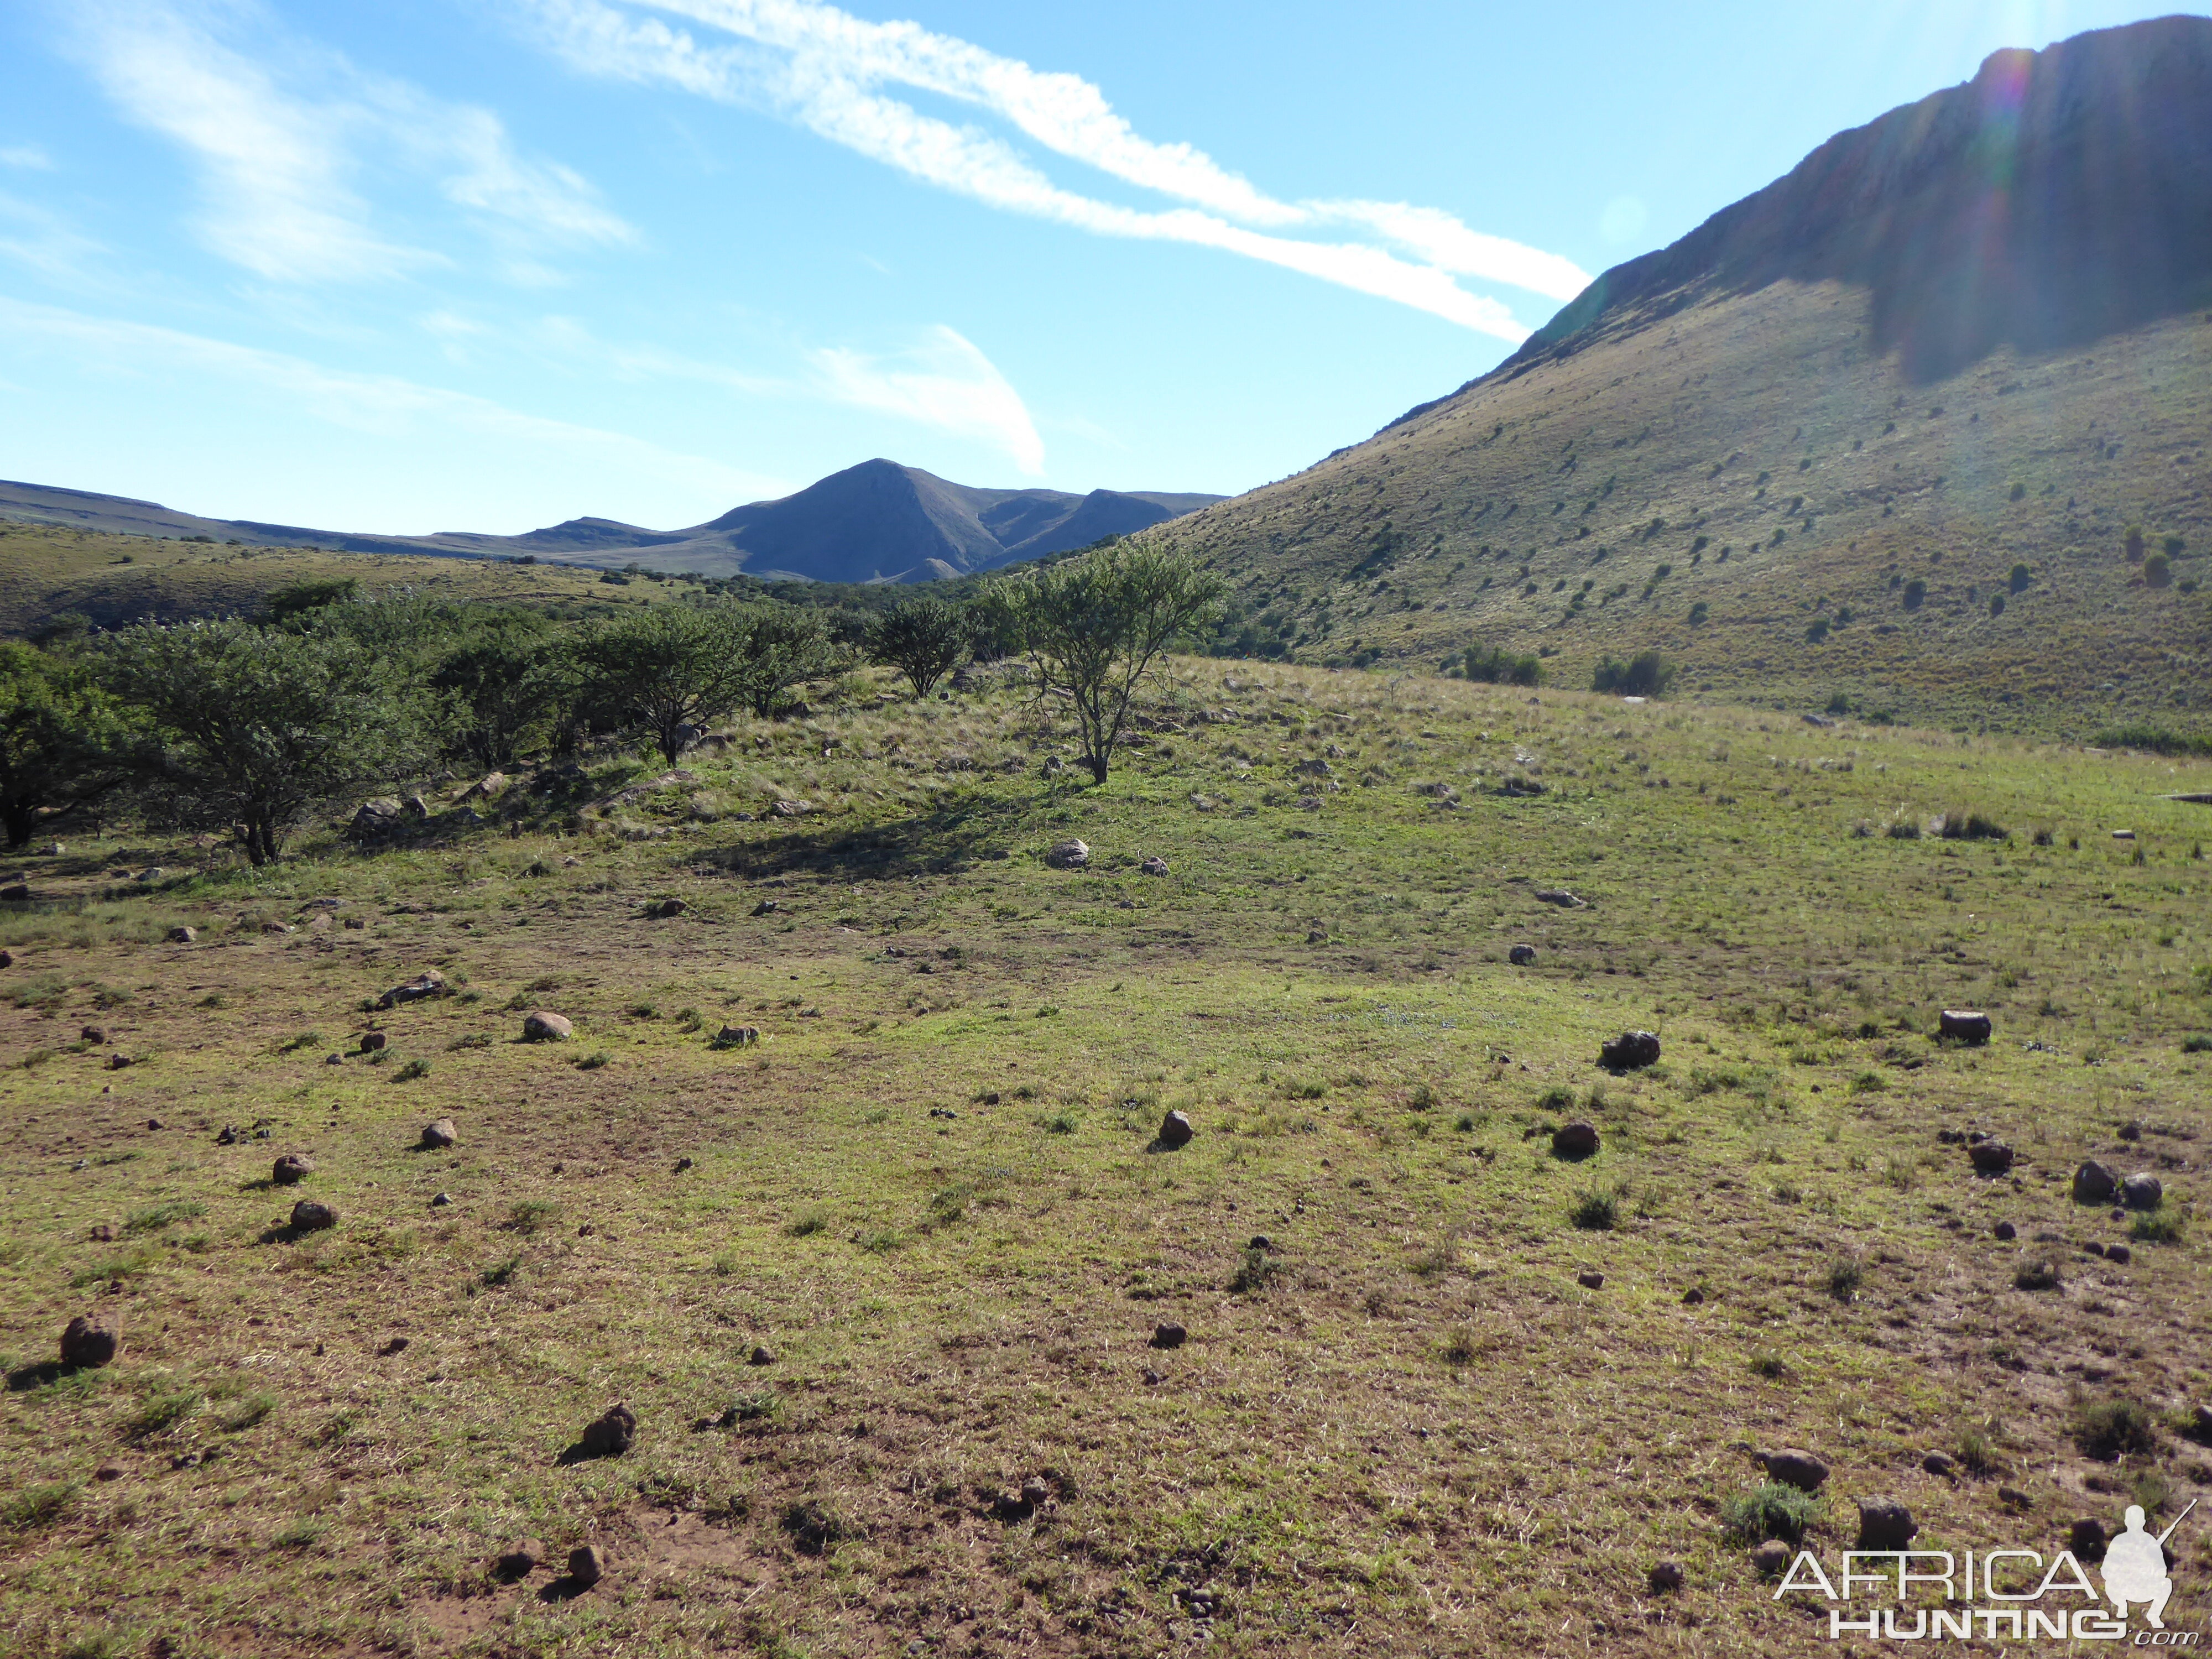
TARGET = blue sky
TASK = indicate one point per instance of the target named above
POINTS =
(486, 265)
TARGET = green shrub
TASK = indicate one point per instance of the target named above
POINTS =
(1647, 674)
(1500, 668)
(2158, 572)
(2156, 739)
(164, 1215)
(1956, 825)
(2160, 1226)
(34, 1506)
(1915, 593)
(2109, 1430)
(1770, 1510)
(1844, 1276)
(2021, 579)
(1595, 1211)
(1977, 1452)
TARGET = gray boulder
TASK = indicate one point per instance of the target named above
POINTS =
(1630, 1051)
(2093, 1183)
(1068, 856)
(1886, 1524)
(544, 1027)
(88, 1344)
(1793, 1466)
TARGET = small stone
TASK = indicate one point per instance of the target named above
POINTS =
(1175, 1131)
(1792, 1466)
(543, 1027)
(1771, 1560)
(1169, 1335)
(436, 1137)
(1153, 1378)
(1035, 1493)
(441, 1200)
(292, 1169)
(586, 1565)
(2131, 1132)
(766, 907)
(334, 1058)
(309, 1216)
(1941, 1463)
(1963, 1025)
(2093, 1247)
(8, 957)
(1560, 896)
(2006, 1232)
(2204, 1423)
(1012, 1506)
(1261, 1241)
(1990, 1158)
(2093, 1183)
(108, 1472)
(16, 893)
(155, 1123)
(683, 1163)
(1885, 1524)
(674, 907)
(737, 1036)
(518, 1560)
(88, 1344)
(2119, 1255)
(1068, 856)
(2086, 1538)
(1665, 1578)
(95, 1034)
(1692, 1298)
(1154, 867)
(229, 1135)
(148, 876)
(372, 1042)
(1629, 1051)
(611, 1433)
(1525, 956)
(1577, 1139)
(1590, 1279)
(2142, 1191)
(761, 1356)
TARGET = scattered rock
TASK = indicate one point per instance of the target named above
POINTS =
(1578, 1140)
(436, 1137)
(292, 1169)
(766, 907)
(378, 817)
(543, 1027)
(441, 1200)
(88, 1344)
(1771, 1560)
(428, 983)
(1525, 956)
(334, 1058)
(674, 907)
(2093, 1183)
(374, 1042)
(148, 876)
(101, 1233)
(684, 1163)
(1169, 1335)
(95, 1034)
(738, 1036)
(1665, 1578)
(308, 1216)
(518, 1560)
(1154, 867)
(1964, 1026)
(2086, 1538)
(2204, 1423)
(1630, 1051)
(1012, 1506)
(1153, 1378)
(1885, 1524)
(8, 957)
(2142, 1191)
(183, 935)
(229, 1135)
(2119, 1255)
(611, 1433)
(1590, 1279)
(1990, 1158)
(791, 809)
(1693, 1297)
(1941, 1463)
(761, 1356)
(108, 1472)
(16, 893)
(2093, 1247)
(2013, 1498)
(1793, 1466)
(487, 787)
(1261, 1243)
(1068, 856)
(586, 1565)
(155, 1123)
(1560, 896)
(2006, 1232)
(1175, 1131)
(415, 807)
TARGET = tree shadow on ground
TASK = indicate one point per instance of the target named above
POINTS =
(957, 838)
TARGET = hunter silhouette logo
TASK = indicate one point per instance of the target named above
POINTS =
(2134, 1567)
(2005, 1594)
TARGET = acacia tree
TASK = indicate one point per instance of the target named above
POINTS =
(1093, 627)
(675, 667)
(59, 739)
(923, 638)
(255, 727)
(505, 683)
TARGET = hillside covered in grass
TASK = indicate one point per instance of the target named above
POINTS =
(881, 1287)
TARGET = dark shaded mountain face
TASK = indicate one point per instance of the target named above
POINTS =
(2057, 196)
(1874, 437)
(878, 521)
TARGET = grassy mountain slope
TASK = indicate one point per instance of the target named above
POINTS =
(1747, 449)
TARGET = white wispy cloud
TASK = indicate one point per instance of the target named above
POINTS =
(380, 404)
(278, 138)
(37, 237)
(944, 382)
(31, 157)
(824, 69)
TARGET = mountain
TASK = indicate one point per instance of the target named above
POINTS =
(878, 521)
(1876, 434)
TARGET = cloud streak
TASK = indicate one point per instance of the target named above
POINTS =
(945, 382)
(277, 154)
(825, 69)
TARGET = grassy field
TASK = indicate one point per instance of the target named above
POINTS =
(114, 580)
(1752, 489)
(927, 1197)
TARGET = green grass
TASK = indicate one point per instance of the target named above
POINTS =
(1771, 1509)
(955, 1304)
(2108, 1429)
